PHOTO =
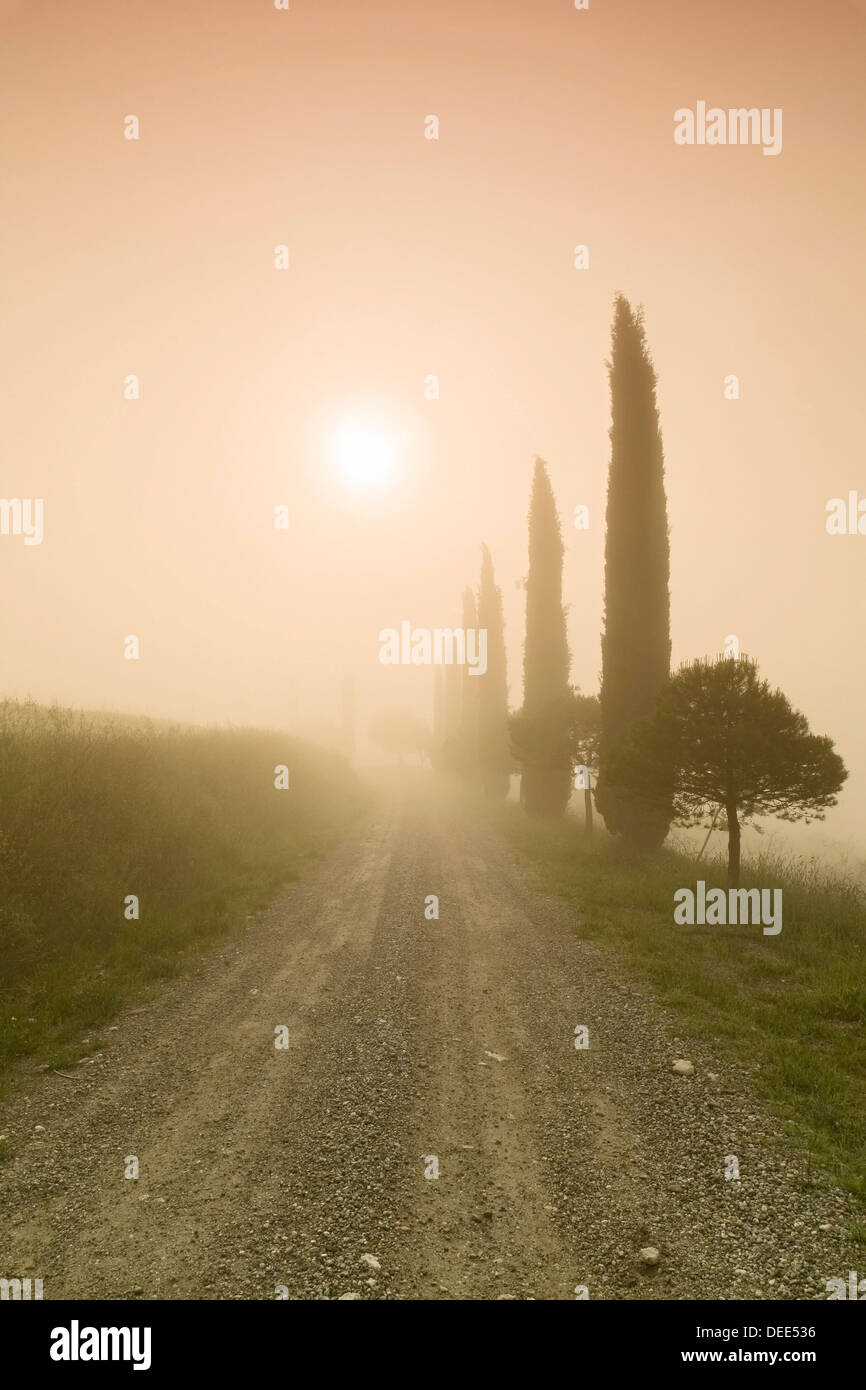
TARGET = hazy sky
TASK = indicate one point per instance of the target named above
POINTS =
(411, 257)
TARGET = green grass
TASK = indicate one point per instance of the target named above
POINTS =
(95, 809)
(794, 1004)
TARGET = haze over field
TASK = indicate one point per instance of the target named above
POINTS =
(432, 547)
(411, 257)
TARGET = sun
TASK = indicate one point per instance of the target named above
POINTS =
(365, 459)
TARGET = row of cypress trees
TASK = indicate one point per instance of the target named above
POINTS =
(663, 749)
(470, 713)
(556, 725)
(473, 733)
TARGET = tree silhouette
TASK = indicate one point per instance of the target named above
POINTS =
(494, 754)
(720, 737)
(585, 734)
(636, 643)
(469, 696)
(449, 752)
(540, 730)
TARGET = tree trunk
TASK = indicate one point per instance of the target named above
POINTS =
(587, 811)
(733, 843)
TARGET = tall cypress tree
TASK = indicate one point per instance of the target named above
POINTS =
(636, 642)
(493, 751)
(540, 732)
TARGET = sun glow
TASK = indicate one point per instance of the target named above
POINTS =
(364, 459)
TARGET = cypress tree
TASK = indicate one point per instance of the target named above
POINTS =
(636, 642)
(540, 732)
(493, 751)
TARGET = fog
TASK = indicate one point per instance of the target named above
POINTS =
(411, 258)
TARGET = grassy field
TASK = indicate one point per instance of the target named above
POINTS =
(94, 809)
(794, 1003)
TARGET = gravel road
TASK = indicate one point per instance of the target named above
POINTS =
(416, 1046)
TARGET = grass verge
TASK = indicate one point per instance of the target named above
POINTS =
(187, 820)
(792, 1005)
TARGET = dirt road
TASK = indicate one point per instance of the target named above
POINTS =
(416, 1046)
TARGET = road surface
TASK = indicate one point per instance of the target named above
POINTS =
(416, 1047)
